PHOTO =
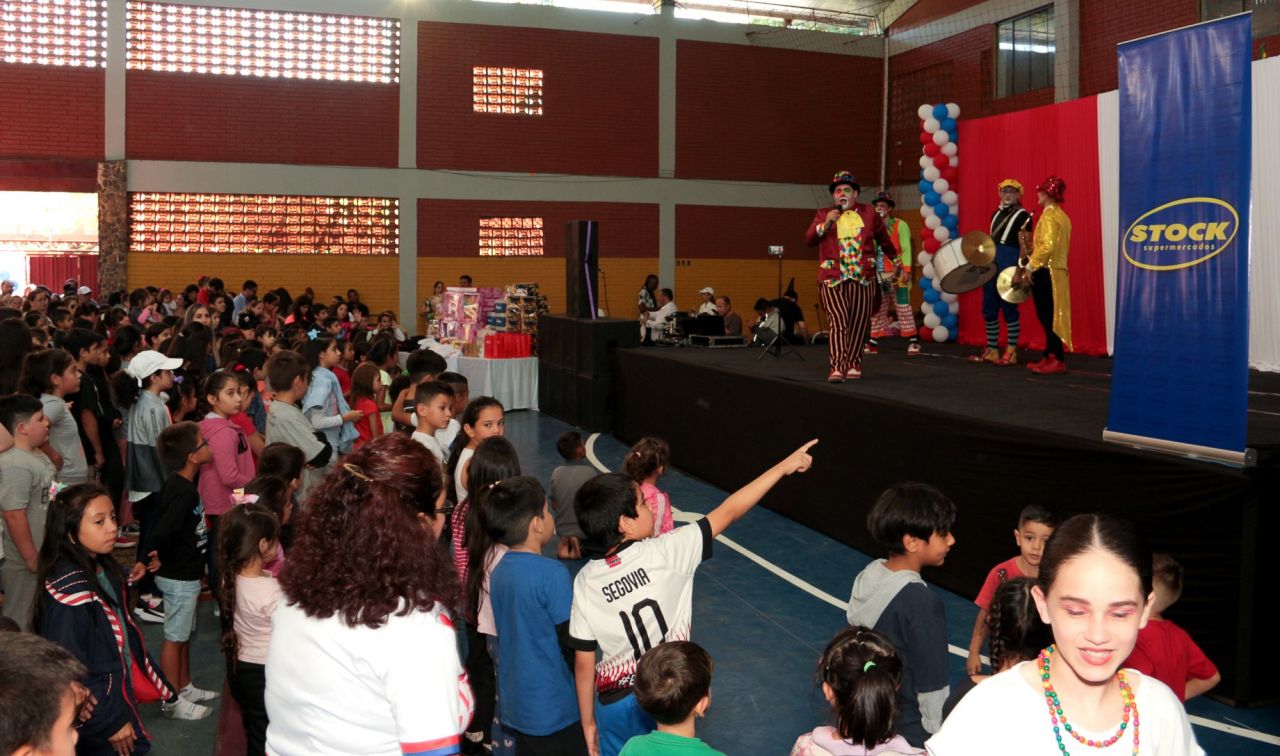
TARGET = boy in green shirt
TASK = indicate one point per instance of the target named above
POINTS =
(673, 684)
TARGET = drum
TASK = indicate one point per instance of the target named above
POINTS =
(955, 274)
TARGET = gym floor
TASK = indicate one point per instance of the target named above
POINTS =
(764, 607)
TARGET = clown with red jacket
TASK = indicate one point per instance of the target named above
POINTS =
(846, 236)
(894, 296)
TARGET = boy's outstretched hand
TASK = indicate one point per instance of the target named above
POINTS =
(800, 459)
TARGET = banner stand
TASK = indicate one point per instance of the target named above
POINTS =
(1247, 458)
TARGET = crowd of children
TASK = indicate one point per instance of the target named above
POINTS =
(249, 442)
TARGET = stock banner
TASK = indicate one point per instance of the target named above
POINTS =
(1181, 369)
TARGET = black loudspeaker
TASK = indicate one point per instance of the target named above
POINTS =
(582, 268)
(575, 367)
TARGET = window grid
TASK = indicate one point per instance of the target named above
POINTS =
(1025, 53)
(54, 32)
(249, 224)
(511, 237)
(508, 91)
(269, 44)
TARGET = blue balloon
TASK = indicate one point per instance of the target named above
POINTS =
(932, 296)
(940, 308)
(942, 211)
(949, 126)
(951, 222)
(950, 321)
(931, 198)
(940, 112)
(926, 285)
(925, 186)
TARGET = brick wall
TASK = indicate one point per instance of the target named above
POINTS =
(255, 120)
(51, 111)
(958, 69)
(759, 114)
(600, 102)
(920, 14)
(1105, 24)
(376, 278)
(450, 228)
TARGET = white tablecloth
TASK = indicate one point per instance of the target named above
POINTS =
(514, 382)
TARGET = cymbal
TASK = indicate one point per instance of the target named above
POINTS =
(1008, 292)
(978, 248)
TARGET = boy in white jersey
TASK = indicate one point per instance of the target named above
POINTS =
(639, 593)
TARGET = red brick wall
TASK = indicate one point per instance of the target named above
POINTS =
(759, 114)
(255, 120)
(600, 102)
(1104, 24)
(704, 231)
(450, 228)
(958, 69)
(51, 111)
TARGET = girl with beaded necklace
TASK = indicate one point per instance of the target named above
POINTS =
(1095, 593)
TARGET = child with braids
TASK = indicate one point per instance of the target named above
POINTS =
(1015, 630)
(859, 675)
(647, 462)
(249, 540)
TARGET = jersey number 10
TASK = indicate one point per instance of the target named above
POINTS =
(636, 632)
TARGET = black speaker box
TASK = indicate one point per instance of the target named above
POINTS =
(582, 268)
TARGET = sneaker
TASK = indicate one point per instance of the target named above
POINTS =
(871, 348)
(124, 541)
(196, 695)
(835, 377)
(913, 348)
(853, 374)
(153, 601)
(181, 708)
(147, 614)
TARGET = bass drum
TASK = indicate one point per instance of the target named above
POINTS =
(955, 274)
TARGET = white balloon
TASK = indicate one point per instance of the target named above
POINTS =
(948, 297)
(941, 233)
(954, 161)
(950, 198)
(925, 112)
(927, 211)
(940, 185)
(953, 110)
(941, 137)
(931, 172)
(953, 308)
(925, 258)
(932, 222)
(931, 125)
(925, 161)
(932, 321)
(927, 270)
(941, 334)
(950, 149)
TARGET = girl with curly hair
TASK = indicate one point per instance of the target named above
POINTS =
(363, 657)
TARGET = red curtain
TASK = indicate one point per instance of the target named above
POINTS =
(52, 270)
(1030, 145)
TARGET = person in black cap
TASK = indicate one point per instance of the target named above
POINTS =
(894, 290)
(846, 236)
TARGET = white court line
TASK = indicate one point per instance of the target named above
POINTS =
(822, 595)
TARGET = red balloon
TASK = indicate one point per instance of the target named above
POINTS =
(931, 244)
(926, 334)
(931, 149)
(941, 161)
(948, 173)
(926, 138)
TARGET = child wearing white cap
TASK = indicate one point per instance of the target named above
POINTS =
(708, 304)
(144, 475)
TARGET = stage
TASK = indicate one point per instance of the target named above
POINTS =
(994, 439)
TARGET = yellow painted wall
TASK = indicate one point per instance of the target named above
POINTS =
(745, 281)
(620, 278)
(376, 278)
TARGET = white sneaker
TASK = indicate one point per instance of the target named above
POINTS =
(181, 708)
(196, 695)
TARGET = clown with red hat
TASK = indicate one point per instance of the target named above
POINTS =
(1047, 269)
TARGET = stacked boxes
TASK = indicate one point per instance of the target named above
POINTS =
(464, 312)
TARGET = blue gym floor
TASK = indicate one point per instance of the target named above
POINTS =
(764, 615)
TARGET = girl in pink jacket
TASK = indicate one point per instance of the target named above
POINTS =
(232, 466)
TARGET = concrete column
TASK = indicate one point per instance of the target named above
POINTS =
(113, 227)
(1066, 32)
(113, 136)
(667, 140)
(409, 263)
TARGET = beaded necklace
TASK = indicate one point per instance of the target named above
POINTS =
(1060, 719)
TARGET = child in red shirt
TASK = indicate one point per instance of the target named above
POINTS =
(1165, 651)
(1035, 525)
(366, 382)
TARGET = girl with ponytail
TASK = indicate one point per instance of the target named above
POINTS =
(859, 674)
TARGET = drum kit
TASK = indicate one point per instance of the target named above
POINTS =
(968, 263)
